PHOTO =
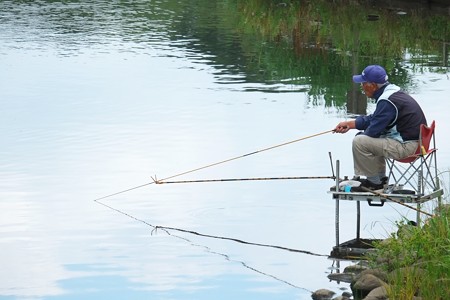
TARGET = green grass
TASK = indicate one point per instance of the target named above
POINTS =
(417, 259)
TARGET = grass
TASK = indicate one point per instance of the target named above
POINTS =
(417, 259)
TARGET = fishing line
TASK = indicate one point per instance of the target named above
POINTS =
(167, 229)
(227, 257)
(155, 180)
(235, 240)
(124, 191)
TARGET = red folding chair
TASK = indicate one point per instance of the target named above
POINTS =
(418, 175)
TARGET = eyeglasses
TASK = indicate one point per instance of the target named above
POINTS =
(365, 84)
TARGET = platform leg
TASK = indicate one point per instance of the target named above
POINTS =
(418, 214)
(358, 220)
(337, 206)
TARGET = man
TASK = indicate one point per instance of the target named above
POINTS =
(392, 131)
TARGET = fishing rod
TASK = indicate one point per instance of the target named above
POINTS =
(243, 179)
(215, 164)
(245, 155)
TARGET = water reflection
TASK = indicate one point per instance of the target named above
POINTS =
(356, 102)
(227, 36)
(98, 97)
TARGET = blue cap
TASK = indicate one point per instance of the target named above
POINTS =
(372, 73)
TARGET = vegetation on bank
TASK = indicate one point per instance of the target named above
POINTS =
(417, 259)
(352, 28)
(298, 41)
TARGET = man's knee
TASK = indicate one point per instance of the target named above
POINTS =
(359, 141)
(366, 144)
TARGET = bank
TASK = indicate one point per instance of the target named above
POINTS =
(412, 264)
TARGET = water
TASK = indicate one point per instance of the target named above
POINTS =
(99, 98)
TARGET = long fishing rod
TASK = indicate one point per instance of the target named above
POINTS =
(244, 179)
(215, 164)
(245, 155)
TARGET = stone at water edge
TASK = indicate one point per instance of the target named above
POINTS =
(322, 294)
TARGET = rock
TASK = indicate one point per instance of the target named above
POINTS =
(347, 294)
(356, 269)
(349, 273)
(344, 277)
(344, 296)
(364, 284)
(368, 282)
(322, 294)
(376, 272)
(378, 293)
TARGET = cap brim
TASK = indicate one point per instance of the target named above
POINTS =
(358, 79)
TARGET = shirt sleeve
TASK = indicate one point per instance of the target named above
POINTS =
(375, 124)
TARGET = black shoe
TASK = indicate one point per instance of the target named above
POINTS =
(358, 189)
(367, 184)
(370, 185)
(384, 179)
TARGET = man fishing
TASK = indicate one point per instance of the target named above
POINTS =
(392, 131)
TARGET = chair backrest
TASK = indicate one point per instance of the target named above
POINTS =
(426, 134)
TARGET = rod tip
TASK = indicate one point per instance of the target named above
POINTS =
(155, 180)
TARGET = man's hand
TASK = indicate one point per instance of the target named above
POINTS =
(342, 127)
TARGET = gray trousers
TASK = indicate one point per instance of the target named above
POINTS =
(369, 154)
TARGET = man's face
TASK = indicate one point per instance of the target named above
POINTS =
(369, 88)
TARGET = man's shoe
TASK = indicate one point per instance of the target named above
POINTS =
(372, 186)
(367, 184)
(357, 189)
(384, 180)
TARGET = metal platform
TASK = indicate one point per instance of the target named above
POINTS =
(357, 247)
(380, 198)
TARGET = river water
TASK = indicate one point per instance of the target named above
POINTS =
(98, 98)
